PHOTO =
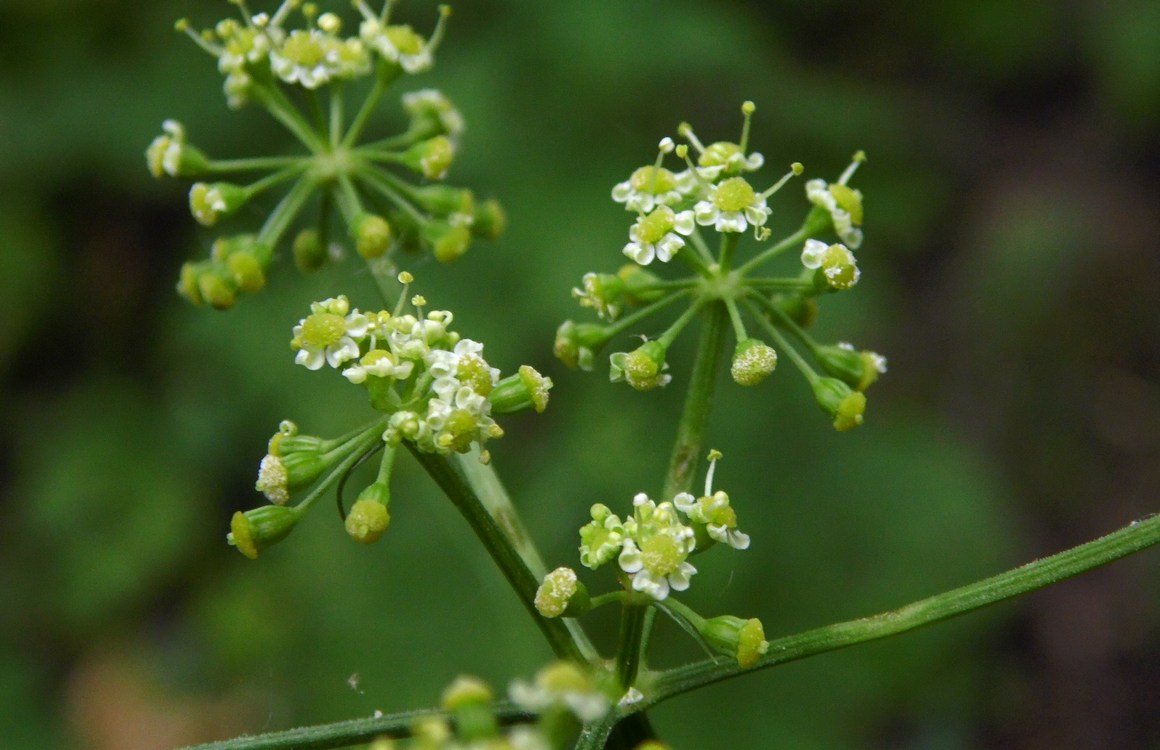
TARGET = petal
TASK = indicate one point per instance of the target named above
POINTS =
(683, 223)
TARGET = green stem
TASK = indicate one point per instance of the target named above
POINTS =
(382, 80)
(286, 113)
(1034, 575)
(631, 645)
(780, 285)
(361, 444)
(347, 733)
(729, 242)
(337, 100)
(628, 321)
(501, 538)
(783, 343)
(796, 238)
(225, 166)
(284, 213)
(695, 415)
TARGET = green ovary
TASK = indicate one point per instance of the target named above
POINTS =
(660, 555)
(655, 226)
(655, 180)
(734, 194)
(405, 40)
(322, 330)
(303, 50)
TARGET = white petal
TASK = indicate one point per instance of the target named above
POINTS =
(812, 253)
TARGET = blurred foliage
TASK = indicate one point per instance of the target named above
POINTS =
(1012, 188)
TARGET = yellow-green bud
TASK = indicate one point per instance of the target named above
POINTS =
(368, 517)
(753, 361)
(220, 293)
(247, 271)
(858, 369)
(641, 368)
(447, 241)
(527, 389)
(490, 220)
(846, 406)
(308, 250)
(372, 235)
(576, 344)
(562, 595)
(443, 200)
(210, 202)
(189, 282)
(468, 699)
(744, 640)
(255, 530)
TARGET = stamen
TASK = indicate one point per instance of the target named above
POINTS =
(440, 28)
(795, 170)
(856, 159)
(747, 109)
(685, 130)
(714, 457)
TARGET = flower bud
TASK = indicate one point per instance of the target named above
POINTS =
(368, 517)
(189, 282)
(562, 595)
(840, 402)
(309, 251)
(169, 154)
(641, 368)
(468, 700)
(372, 235)
(216, 289)
(431, 158)
(255, 530)
(447, 241)
(602, 292)
(837, 269)
(489, 220)
(432, 113)
(279, 475)
(524, 390)
(247, 271)
(857, 369)
(800, 309)
(210, 202)
(576, 344)
(744, 640)
(753, 361)
(444, 200)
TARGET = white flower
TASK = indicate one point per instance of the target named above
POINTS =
(728, 158)
(432, 102)
(649, 187)
(304, 58)
(844, 206)
(561, 683)
(399, 44)
(655, 235)
(329, 335)
(653, 570)
(836, 261)
(381, 364)
(731, 205)
(600, 540)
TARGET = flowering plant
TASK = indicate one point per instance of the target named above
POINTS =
(431, 391)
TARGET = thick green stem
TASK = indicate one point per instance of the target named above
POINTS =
(501, 538)
(695, 416)
(628, 652)
(1035, 575)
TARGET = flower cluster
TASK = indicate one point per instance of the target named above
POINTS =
(652, 546)
(362, 185)
(674, 211)
(561, 698)
(433, 389)
(436, 387)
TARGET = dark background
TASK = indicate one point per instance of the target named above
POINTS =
(1009, 272)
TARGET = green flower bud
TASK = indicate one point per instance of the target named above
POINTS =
(189, 282)
(279, 475)
(444, 200)
(447, 241)
(840, 402)
(372, 235)
(602, 292)
(255, 530)
(309, 251)
(431, 158)
(489, 220)
(858, 369)
(368, 517)
(216, 289)
(562, 595)
(576, 344)
(643, 368)
(247, 271)
(753, 361)
(527, 389)
(210, 202)
(468, 700)
(744, 640)
(800, 309)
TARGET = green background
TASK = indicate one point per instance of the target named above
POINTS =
(1009, 272)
